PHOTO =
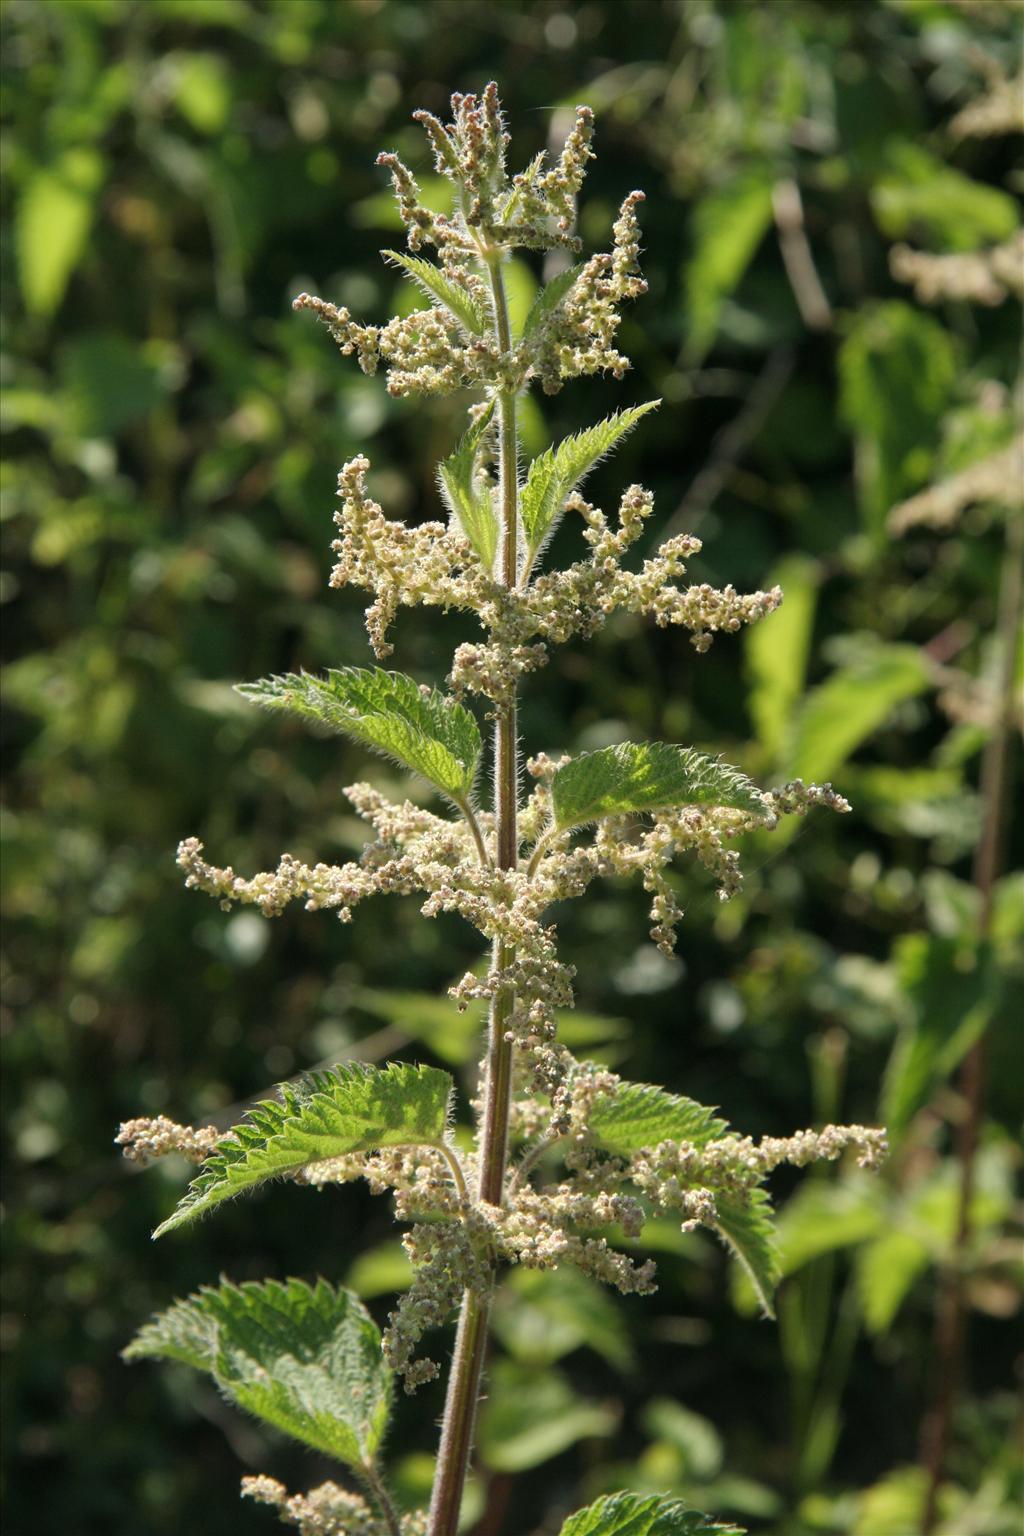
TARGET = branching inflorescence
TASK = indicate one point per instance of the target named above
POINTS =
(566, 1154)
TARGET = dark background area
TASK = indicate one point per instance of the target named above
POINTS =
(174, 172)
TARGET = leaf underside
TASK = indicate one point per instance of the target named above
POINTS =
(560, 470)
(639, 1514)
(306, 1359)
(354, 1108)
(646, 776)
(423, 730)
(747, 1227)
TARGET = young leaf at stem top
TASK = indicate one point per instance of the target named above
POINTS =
(467, 496)
(436, 285)
(549, 298)
(646, 776)
(422, 729)
(643, 1514)
(354, 1108)
(306, 1359)
(560, 470)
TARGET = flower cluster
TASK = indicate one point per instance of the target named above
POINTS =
(143, 1140)
(326, 1511)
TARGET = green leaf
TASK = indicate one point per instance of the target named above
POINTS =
(746, 1225)
(821, 1218)
(952, 1006)
(643, 1514)
(922, 197)
(354, 1108)
(639, 1115)
(560, 470)
(729, 224)
(427, 732)
(53, 222)
(549, 298)
(695, 1437)
(777, 651)
(433, 282)
(306, 1359)
(886, 1270)
(531, 1416)
(646, 776)
(468, 495)
(845, 709)
(540, 1315)
(897, 374)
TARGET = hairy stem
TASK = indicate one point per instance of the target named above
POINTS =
(382, 1499)
(471, 1340)
(950, 1322)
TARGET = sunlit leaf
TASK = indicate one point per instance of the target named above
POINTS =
(638, 777)
(847, 707)
(644, 1514)
(422, 729)
(440, 288)
(354, 1108)
(886, 1270)
(52, 226)
(747, 1227)
(777, 651)
(560, 470)
(468, 494)
(306, 1359)
(639, 1115)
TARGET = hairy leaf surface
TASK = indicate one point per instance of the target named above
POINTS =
(467, 498)
(433, 282)
(560, 470)
(641, 1115)
(550, 297)
(746, 1225)
(646, 776)
(355, 1108)
(643, 1514)
(306, 1359)
(425, 731)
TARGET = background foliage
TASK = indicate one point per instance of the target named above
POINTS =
(175, 171)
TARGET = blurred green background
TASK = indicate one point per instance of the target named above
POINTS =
(174, 172)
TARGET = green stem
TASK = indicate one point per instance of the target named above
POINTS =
(371, 1477)
(471, 1339)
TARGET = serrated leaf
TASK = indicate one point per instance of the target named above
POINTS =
(436, 285)
(644, 1514)
(639, 1115)
(427, 732)
(549, 298)
(354, 1108)
(646, 776)
(467, 497)
(746, 1225)
(306, 1359)
(560, 470)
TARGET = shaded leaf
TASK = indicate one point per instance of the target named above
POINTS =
(729, 224)
(436, 285)
(918, 195)
(646, 776)
(540, 1315)
(644, 1514)
(306, 1359)
(425, 731)
(468, 495)
(355, 1108)
(777, 651)
(560, 470)
(530, 1416)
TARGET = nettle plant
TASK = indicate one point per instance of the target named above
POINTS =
(565, 1154)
